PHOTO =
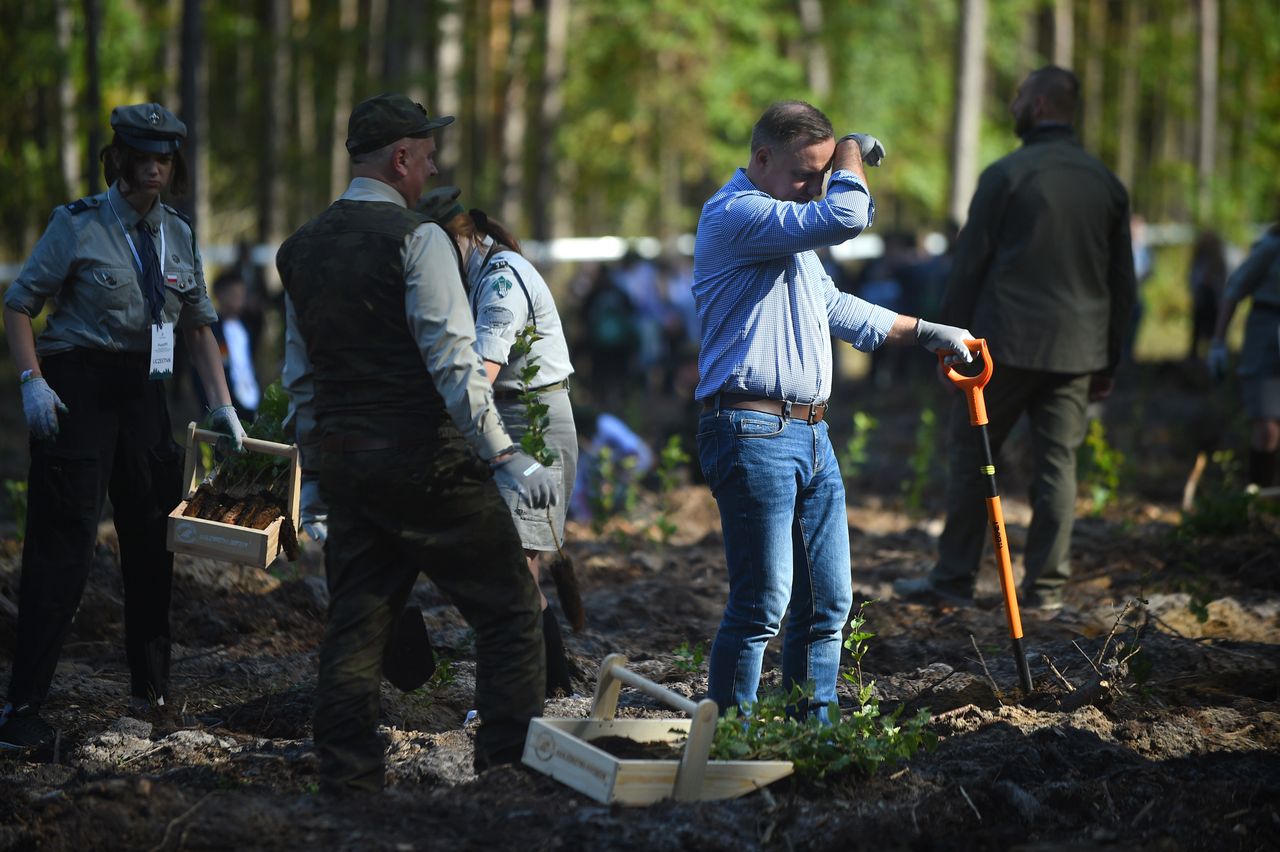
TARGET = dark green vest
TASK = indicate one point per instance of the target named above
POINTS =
(344, 272)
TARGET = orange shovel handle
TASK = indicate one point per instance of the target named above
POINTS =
(972, 385)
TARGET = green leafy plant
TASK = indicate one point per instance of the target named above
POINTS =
(446, 672)
(689, 658)
(534, 441)
(862, 740)
(921, 462)
(671, 462)
(1099, 467)
(17, 491)
(855, 457)
(611, 488)
(1224, 508)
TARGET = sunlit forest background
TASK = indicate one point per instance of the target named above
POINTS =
(620, 117)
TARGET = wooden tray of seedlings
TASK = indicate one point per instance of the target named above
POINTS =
(562, 749)
(246, 511)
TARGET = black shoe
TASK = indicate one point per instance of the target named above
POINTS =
(24, 730)
(923, 590)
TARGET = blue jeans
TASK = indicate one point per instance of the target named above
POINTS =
(786, 540)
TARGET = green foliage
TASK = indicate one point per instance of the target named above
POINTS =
(689, 659)
(446, 673)
(1223, 508)
(671, 462)
(855, 456)
(863, 740)
(252, 471)
(534, 441)
(1099, 467)
(17, 491)
(922, 462)
(612, 490)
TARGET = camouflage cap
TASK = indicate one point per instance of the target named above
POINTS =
(383, 119)
(441, 204)
(148, 127)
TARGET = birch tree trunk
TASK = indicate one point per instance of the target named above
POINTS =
(343, 95)
(1064, 33)
(1092, 129)
(817, 66)
(1127, 109)
(551, 209)
(68, 126)
(970, 66)
(514, 125)
(448, 68)
(195, 111)
(1207, 90)
(93, 90)
(271, 177)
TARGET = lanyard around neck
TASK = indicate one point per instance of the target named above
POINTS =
(129, 238)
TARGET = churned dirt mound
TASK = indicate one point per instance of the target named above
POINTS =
(1154, 722)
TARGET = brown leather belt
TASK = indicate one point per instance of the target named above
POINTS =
(809, 413)
(355, 443)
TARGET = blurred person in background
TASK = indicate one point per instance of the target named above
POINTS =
(1258, 277)
(1206, 277)
(123, 271)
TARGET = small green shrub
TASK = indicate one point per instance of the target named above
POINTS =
(922, 462)
(1099, 467)
(854, 458)
(690, 659)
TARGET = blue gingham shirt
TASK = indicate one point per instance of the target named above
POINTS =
(766, 307)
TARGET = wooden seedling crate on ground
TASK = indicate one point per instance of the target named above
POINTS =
(562, 749)
(228, 542)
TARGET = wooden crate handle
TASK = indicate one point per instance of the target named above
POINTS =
(702, 726)
(256, 445)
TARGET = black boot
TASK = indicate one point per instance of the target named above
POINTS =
(557, 662)
(1262, 468)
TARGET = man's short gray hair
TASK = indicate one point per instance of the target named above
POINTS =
(790, 124)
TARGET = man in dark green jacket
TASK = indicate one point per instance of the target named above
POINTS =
(1044, 271)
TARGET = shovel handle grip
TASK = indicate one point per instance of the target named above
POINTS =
(972, 385)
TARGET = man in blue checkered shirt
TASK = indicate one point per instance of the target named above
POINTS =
(767, 311)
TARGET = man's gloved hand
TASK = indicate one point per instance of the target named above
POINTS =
(224, 419)
(313, 513)
(871, 147)
(536, 484)
(945, 338)
(41, 406)
(1218, 360)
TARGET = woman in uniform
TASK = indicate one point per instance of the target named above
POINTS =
(124, 272)
(507, 294)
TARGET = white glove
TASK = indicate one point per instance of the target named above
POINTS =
(41, 406)
(536, 484)
(1218, 360)
(226, 417)
(945, 338)
(313, 513)
(871, 147)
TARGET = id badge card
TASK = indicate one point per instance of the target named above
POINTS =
(162, 351)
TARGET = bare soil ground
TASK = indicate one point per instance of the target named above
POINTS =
(1184, 755)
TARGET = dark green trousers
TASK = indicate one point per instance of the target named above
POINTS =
(1055, 405)
(392, 514)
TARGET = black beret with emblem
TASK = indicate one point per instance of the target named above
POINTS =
(148, 127)
(383, 119)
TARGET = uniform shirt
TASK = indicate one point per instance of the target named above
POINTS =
(83, 262)
(1259, 274)
(503, 291)
(439, 317)
(766, 307)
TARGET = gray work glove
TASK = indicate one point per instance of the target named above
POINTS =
(41, 406)
(224, 419)
(536, 484)
(871, 147)
(940, 338)
(313, 513)
(1218, 360)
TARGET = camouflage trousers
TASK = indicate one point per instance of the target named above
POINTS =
(392, 514)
